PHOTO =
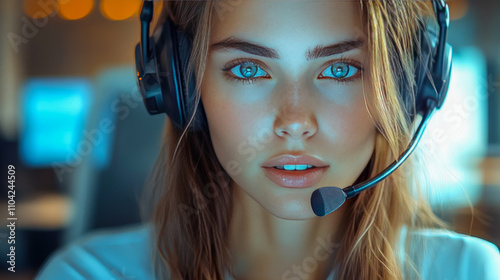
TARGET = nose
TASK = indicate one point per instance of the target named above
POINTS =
(296, 118)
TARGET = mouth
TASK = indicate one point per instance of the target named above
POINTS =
(292, 167)
(295, 178)
(295, 170)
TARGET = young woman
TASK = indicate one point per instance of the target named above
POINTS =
(293, 96)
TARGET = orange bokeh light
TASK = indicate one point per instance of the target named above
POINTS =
(119, 9)
(33, 9)
(458, 9)
(75, 9)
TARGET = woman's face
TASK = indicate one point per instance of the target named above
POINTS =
(283, 91)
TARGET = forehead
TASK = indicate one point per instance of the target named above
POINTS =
(282, 21)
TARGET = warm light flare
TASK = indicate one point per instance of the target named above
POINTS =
(119, 9)
(75, 9)
(458, 8)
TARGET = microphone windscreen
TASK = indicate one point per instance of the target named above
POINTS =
(326, 200)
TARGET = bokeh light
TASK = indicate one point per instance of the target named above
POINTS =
(119, 9)
(33, 9)
(75, 9)
(49, 101)
(458, 8)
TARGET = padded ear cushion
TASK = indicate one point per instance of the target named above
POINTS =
(169, 72)
(428, 85)
(423, 65)
(432, 78)
(185, 45)
(423, 54)
(172, 55)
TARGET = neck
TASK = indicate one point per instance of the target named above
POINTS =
(264, 246)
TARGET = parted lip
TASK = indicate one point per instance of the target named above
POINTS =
(294, 158)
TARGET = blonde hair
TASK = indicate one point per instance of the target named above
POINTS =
(190, 225)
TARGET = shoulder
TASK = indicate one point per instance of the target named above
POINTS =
(122, 253)
(450, 255)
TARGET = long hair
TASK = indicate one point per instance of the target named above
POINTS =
(190, 204)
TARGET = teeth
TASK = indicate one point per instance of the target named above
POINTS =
(294, 167)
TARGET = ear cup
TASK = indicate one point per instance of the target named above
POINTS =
(147, 80)
(184, 46)
(158, 75)
(424, 57)
(169, 72)
(172, 58)
(162, 76)
(430, 83)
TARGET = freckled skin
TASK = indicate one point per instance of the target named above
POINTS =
(292, 110)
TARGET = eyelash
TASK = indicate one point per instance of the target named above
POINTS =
(230, 65)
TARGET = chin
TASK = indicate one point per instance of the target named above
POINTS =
(291, 209)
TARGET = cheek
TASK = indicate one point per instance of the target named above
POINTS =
(349, 136)
(230, 126)
(356, 129)
(346, 122)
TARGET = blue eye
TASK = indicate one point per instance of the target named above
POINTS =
(248, 70)
(340, 71)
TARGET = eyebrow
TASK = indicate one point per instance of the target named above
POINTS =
(256, 49)
(338, 48)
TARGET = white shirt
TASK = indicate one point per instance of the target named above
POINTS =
(125, 254)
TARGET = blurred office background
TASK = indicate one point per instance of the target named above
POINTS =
(73, 124)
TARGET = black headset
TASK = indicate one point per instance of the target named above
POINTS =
(161, 62)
